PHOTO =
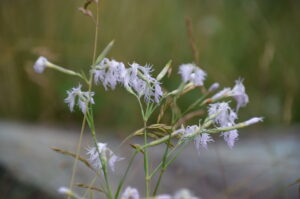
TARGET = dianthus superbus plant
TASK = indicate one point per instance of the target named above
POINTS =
(217, 117)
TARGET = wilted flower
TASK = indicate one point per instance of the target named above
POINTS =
(83, 98)
(40, 64)
(184, 194)
(130, 193)
(192, 73)
(106, 155)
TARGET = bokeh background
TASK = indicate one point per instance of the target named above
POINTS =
(258, 40)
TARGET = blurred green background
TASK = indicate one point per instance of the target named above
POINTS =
(258, 40)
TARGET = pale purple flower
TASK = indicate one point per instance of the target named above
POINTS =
(222, 113)
(224, 116)
(158, 93)
(83, 98)
(230, 137)
(163, 196)
(223, 93)
(40, 64)
(106, 155)
(185, 70)
(192, 73)
(109, 72)
(130, 193)
(201, 140)
(184, 194)
(140, 80)
(189, 130)
(64, 190)
(253, 120)
(214, 87)
(239, 94)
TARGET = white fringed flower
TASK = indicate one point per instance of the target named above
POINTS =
(230, 137)
(130, 193)
(83, 98)
(109, 72)
(200, 140)
(192, 73)
(184, 194)
(40, 64)
(106, 155)
(239, 94)
(224, 116)
(140, 80)
(135, 79)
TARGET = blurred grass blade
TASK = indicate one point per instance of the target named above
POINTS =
(84, 161)
(104, 52)
(89, 187)
(164, 71)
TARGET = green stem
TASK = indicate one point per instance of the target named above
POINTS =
(163, 168)
(125, 174)
(146, 161)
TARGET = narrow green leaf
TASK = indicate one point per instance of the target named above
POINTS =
(164, 71)
(104, 53)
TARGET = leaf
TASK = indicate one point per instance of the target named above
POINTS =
(164, 71)
(84, 161)
(137, 147)
(89, 187)
(104, 53)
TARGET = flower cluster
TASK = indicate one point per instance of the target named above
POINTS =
(83, 98)
(102, 154)
(192, 73)
(136, 78)
(132, 193)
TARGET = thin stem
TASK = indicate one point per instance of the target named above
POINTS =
(146, 162)
(77, 153)
(163, 168)
(121, 183)
(85, 115)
